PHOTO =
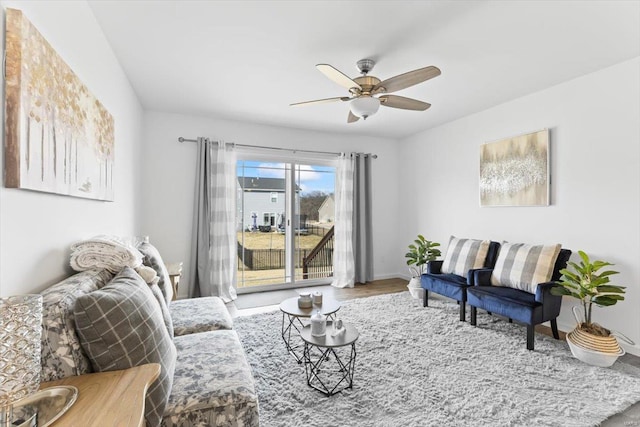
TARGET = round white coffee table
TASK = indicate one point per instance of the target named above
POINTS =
(330, 379)
(291, 315)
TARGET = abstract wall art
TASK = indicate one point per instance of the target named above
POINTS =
(58, 137)
(515, 171)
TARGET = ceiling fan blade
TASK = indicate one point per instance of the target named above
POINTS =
(321, 101)
(396, 101)
(406, 80)
(352, 117)
(337, 76)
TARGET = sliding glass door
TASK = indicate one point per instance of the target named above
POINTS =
(285, 223)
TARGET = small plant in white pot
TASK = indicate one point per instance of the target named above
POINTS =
(585, 281)
(420, 252)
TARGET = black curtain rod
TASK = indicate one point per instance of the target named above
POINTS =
(375, 156)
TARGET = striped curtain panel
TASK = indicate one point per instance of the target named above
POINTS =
(213, 250)
(343, 264)
(353, 251)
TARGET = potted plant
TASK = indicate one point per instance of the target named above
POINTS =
(585, 281)
(420, 252)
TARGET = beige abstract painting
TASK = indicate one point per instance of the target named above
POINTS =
(58, 137)
(515, 171)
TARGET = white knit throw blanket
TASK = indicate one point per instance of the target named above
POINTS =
(108, 252)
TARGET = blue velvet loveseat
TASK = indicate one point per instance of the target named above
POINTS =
(513, 288)
(452, 276)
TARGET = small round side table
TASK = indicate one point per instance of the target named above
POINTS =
(330, 379)
(291, 315)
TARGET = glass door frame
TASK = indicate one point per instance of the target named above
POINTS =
(290, 162)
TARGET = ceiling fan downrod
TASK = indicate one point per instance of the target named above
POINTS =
(365, 65)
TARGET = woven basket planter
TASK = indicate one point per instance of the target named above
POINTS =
(415, 288)
(594, 349)
(589, 341)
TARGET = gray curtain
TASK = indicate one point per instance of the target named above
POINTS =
(213, 245)
(199, 269)
(362, 219)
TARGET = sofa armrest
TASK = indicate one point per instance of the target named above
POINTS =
(482, 277)
(434, 267)
(471, 276)
(551, 304)
(543, 292)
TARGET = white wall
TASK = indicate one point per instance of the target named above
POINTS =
(36, 229)
(595, 166)
(169, 177)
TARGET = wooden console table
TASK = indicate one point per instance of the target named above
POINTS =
(108, 399)
(175, 271)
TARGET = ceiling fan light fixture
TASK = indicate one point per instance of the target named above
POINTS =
(365, 106)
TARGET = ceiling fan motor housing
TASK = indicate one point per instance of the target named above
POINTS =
(366, 83)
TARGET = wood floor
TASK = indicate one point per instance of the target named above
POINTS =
(630, 417)
(378, 287)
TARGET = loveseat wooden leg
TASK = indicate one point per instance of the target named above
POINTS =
(530, 333)
(462, 311)
(474, 312)
(510, 320)
(554, 328)
(425, 300)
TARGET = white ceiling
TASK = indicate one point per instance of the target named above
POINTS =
(249, 60)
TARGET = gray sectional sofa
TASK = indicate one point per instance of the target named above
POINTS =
(212, 383)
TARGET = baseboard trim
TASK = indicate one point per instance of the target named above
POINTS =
(391, 276)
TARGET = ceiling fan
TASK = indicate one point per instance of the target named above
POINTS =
(369, 92)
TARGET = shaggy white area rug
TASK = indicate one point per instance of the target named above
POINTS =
(421, 366)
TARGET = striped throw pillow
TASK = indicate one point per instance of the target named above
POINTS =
(523, 266)
(464, 255)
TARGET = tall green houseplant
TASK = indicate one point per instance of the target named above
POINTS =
(421, 252)
(586, 283)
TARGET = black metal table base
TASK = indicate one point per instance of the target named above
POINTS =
(331, 380)
(291, 326)
(294, 323)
